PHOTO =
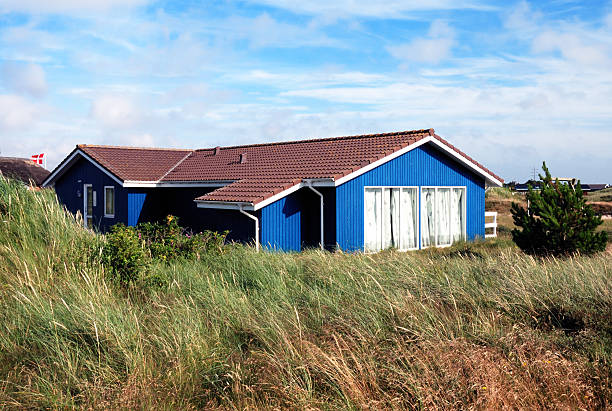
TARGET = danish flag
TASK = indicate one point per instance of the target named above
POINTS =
(38, 159)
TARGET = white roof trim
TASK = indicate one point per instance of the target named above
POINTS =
(490, 178)
(429, 139)
(128, 183)
(278, 196)
(381, 161)
(178, 184)
(224, 205)
(68, 161)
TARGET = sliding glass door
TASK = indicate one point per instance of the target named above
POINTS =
(390, 218)
(442, 216)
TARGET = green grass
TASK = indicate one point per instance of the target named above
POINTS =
(601, 195)
(476, 325)
(498, 193)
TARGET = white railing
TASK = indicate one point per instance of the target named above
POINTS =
(492, 224)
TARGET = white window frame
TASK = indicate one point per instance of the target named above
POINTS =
(418, 191)
(463, 215)
(106, 215)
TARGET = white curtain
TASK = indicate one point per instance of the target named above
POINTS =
(408, 218)
(443, 216)
(427, 224)
(373, 223)
(387, 229)
(457, 214)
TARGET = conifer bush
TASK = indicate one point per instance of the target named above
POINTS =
(558, 221)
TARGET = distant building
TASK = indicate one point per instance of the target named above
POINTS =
(23, 169)
(536, 185)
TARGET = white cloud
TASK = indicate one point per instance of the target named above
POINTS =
(371, 8)
(573, 48)
(66, 6)
(522, 17)
(431, 49)
(16, 112)
(24, 78)
(115, 111)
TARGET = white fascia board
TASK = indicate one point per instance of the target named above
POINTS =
(382, 161)
(67, 162)
(321, 182)
(468, 163)
(489, 178)
(268, 201)
(224, 205)
(178, 184)
(278, 196)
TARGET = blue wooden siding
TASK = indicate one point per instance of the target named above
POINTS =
(294, 222)
(136, 203)
(281, 224)
(423, 166)
(69, 186)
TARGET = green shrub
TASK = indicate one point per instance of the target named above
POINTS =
(558, 221)
(123, 254)
(168, 241)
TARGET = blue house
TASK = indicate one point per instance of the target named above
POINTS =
(408, 190)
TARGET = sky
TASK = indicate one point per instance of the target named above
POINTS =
(510, 83)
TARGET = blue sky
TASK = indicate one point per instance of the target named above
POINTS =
(510, 83)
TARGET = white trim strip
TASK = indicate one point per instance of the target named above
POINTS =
(224, 205)
(278, 196)
(178, 184)
(467, 162)
(68, 162)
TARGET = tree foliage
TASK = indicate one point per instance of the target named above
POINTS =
(558, 222)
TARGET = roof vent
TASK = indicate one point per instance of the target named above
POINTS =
(242, 158)
(217, 150)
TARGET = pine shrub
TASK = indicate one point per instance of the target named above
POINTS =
(558, 221)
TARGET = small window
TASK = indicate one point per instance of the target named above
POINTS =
(109, 202)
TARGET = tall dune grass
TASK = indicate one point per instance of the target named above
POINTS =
(477, 325)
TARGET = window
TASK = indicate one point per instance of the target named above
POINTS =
(109, 202)
(390, 215)
(442, 215)
(88, 205)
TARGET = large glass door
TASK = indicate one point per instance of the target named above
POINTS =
(390, 215)
(442, 216)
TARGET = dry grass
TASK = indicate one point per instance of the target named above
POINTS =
(474, 326)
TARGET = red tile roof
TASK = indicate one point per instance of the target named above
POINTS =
(134, 163)
(267, 169)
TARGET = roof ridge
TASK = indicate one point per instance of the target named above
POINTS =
(176, 165)
(429, 131)
(81, 146)
(16, 158)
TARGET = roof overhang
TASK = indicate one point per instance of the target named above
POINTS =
(69, 162)
(225, 205)
(315, 182)
(77, 153)
(490, 180)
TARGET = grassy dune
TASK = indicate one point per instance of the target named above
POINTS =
(477, 325)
